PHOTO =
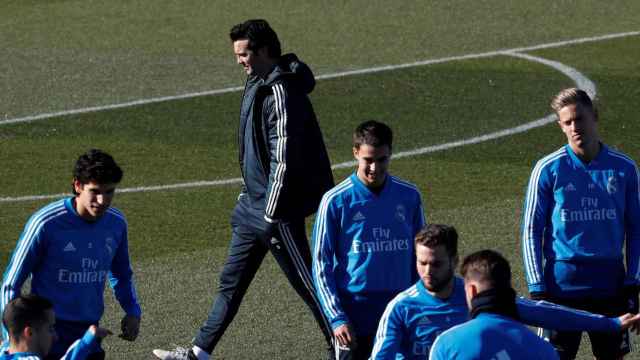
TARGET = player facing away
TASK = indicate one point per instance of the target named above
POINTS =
(363, 254)
(580, 218)
(413, 319)
(30, 322)
(286, 170)
(493, 331)
(70, 248)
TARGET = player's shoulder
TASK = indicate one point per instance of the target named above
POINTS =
(450, 338)
(619, 157)
(48, 213)
(339, 192)
(551, 159)
(401, 187)
(405, 296)
(117, 216)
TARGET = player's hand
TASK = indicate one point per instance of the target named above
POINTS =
(344, 335)
(630, 321)
(130, 326)
(99, 332)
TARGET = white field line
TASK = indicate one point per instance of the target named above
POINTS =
(321, 77)
(581, 81)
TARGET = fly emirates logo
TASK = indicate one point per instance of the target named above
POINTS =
(89, 273)
(382, 243)
(589, 212)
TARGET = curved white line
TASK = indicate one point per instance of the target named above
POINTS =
(321, 77)
(581, 81)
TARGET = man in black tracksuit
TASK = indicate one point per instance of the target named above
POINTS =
(286, 170)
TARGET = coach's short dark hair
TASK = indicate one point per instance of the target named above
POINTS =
(98, 166)
(487, 266)
(433, 235)
(373, 133)
(25, 310)
(259, 34)
(572, 96)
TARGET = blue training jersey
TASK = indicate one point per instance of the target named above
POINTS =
(576, 219)
(491, 336)
(69, 259)
(363, 253)
(79, 350)
(413, 319)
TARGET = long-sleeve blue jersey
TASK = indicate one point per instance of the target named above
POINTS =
(491, 336)
(413, 319)
(363, 252)
(79, 350)
(69, 260)
(576, 220)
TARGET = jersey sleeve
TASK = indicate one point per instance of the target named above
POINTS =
(28, 252)
(325, 235)
(552, 316)
(121, 278)
(390, 334)
(535, 215)
(82, 347)
(438, 350)
(632, 227)
(419, 220)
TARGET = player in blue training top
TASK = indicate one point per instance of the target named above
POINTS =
(30, 321)
(413, 319)
(363, 251)
(494, 331)
(582, 208)
(70, 247)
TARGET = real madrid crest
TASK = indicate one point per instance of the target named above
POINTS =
(108, 243)
(612, 185)
(401, 213)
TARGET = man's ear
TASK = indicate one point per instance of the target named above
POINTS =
(77, 186)
(27, 333)
(355, 152)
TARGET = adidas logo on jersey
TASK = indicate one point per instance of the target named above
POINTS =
(69, 247)
(424, 321)
(571, 187)
(358, 217)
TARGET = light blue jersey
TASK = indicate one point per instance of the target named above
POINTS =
(363, 252)
(69, 260)
(413, 319)
(80, 349)
(491, 336)
(575, 221)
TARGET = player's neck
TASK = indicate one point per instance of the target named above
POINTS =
(445, 292)
(588, 152)
(20, 347)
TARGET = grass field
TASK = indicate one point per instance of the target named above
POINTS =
(65, 55)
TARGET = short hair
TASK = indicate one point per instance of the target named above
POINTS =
(25, 310)
(433, 235)
(373, 133)
(572, 96)
(96, 165)
(259, 34)
(489, 267)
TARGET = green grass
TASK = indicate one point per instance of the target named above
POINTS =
(59, 55)
(123, 50)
